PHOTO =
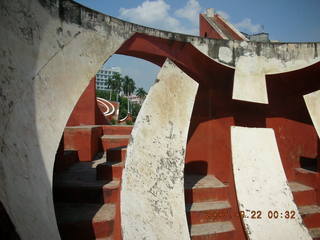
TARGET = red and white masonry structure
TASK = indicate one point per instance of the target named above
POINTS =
(214, 153)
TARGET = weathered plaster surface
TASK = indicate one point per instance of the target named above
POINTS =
(312, 101)
(262, 59)
(261, 185)
(45, 65)
(249, 80)
(252, 61)
(152, 195)
(49, 51)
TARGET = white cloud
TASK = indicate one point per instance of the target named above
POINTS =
(150, 13)
(156, 14)
(224, 14)
(247, 25)
(190, 11)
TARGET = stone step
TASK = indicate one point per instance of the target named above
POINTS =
(302, 194)
(204, 188)
(66, 160)
(214, 231)
(117, 130)
(205, 212)
(116, 154)
(85, 221)
(110, 171)
(315, 233)
(84, 139)
(307, 177)
(114, 141)
(79, 184)
(310, 215)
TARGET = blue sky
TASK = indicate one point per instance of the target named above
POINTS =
(284, 20)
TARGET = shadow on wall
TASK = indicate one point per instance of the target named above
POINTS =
(7, 229)
(196, 167)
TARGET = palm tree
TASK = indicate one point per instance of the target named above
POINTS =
(109, 83)
(141, 93)
(128, 87)
(117, 80)
(114, 83)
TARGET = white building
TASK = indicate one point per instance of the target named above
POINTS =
(135, 99)
(103, 74)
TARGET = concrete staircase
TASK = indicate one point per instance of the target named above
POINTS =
(86, 195)
(305, 190)
(208, 210)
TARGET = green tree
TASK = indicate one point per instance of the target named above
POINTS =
(141, 93)
(128, 87)
(123, 107)
(135, 110)
(102, 94)
(109, 83)
(115, 84)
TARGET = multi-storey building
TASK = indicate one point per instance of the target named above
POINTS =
(103, 74)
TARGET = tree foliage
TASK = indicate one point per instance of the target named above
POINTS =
(141, 93)
(128, 85)
(117, 84)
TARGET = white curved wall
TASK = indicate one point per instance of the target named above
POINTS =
(45, 66)
(261, 186)
(152, 195)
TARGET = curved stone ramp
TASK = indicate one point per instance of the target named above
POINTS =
(107, 107)
(152, 195)
(262, 186)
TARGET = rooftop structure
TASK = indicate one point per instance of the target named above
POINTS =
(213, 25)
(258, 37)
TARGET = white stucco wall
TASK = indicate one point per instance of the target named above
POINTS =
(152, 195)
(261, 185)
(46, 62)
(253, 61)
(251, 69)
(312, 101)
(45, 66)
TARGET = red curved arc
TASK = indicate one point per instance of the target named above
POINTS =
(214, 79)
(186, 56)
(215, 111)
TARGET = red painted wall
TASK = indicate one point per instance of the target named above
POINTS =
(209, 145)
(206, 30)
(215, 112)
(85, 140)
(234, 35)
(295, 140)
(86, 111)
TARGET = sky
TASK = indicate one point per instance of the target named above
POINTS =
(284, 20)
